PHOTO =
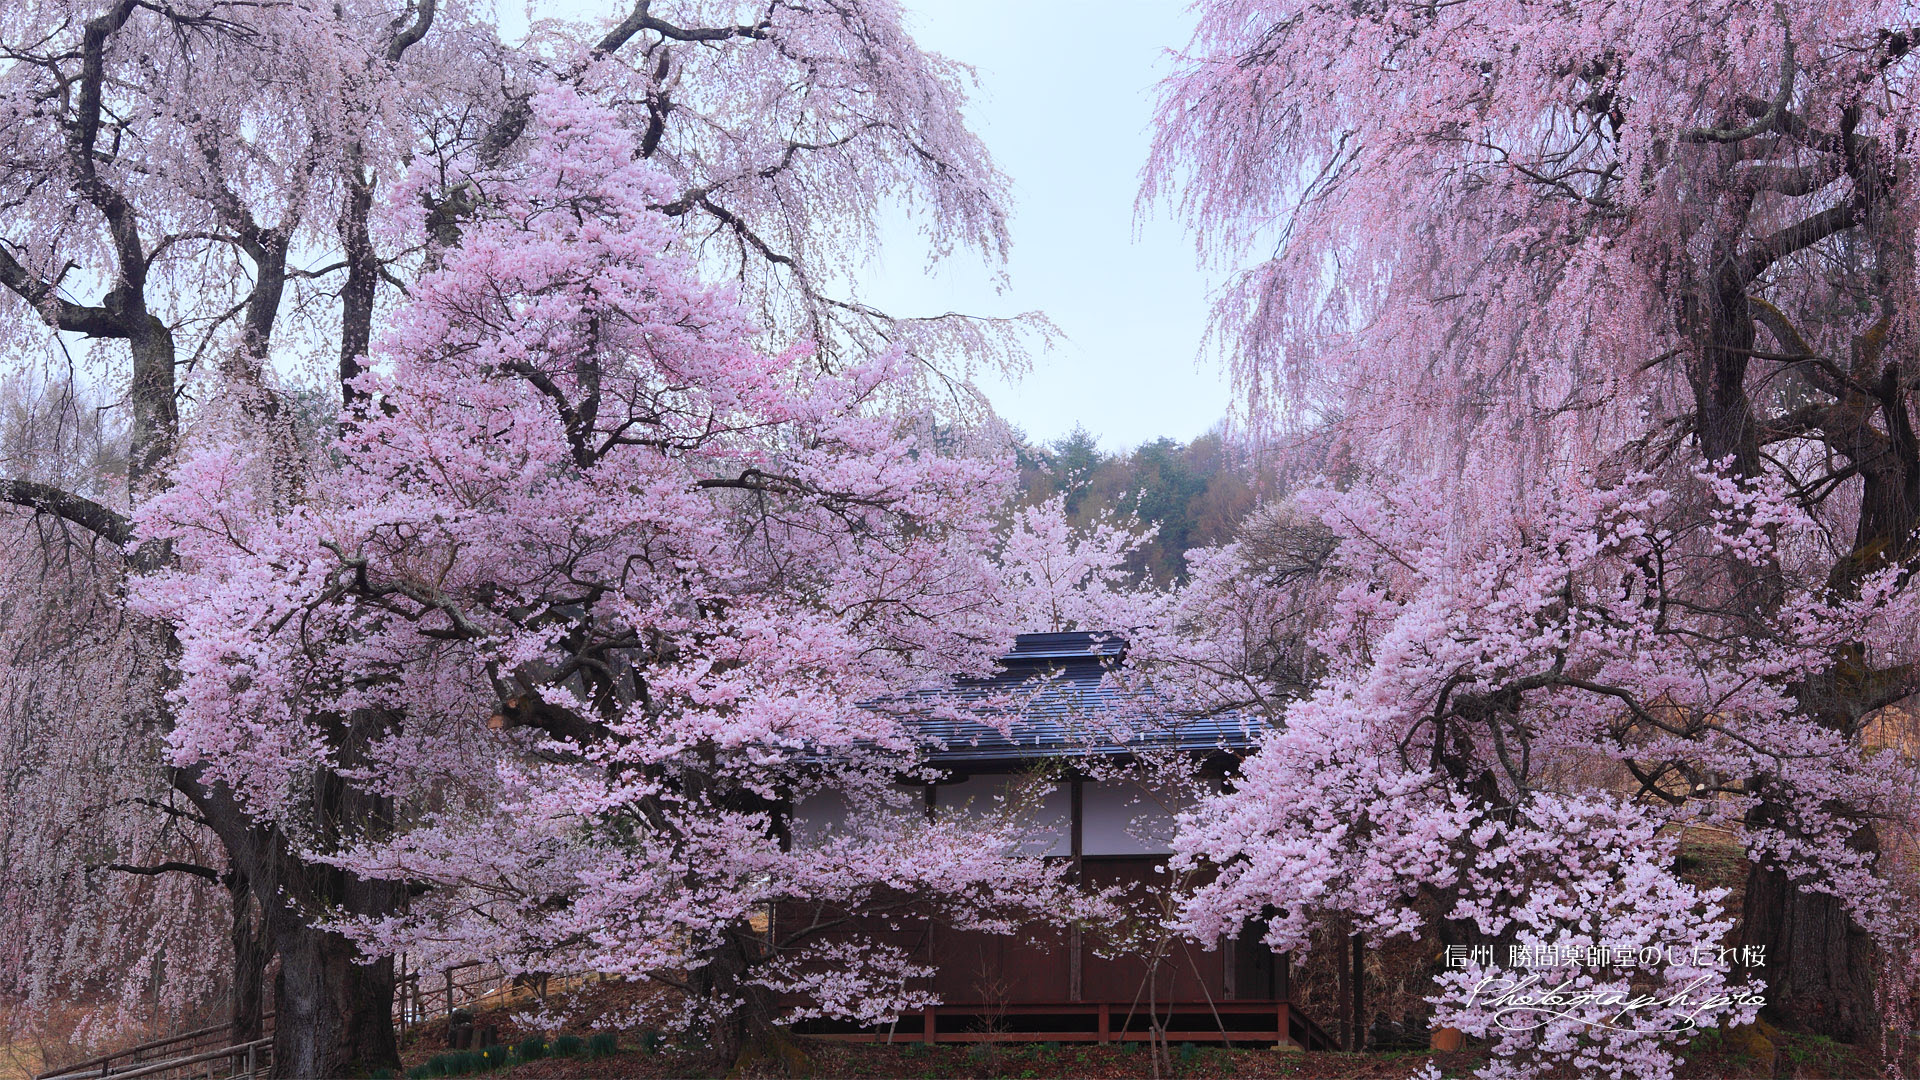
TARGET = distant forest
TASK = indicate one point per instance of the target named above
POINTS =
(1197, 492)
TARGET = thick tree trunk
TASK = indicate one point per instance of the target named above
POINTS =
(1818, 963)
(334, 1016)
(746, 1040)
(357, 294)
(250, 956)
(1724, 420)
(718, 981)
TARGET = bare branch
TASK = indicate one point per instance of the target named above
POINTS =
(109, 524)
(163, 868)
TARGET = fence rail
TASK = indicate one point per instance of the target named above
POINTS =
(172, 1048)
(419, 997)
(434, 995)
(241, 1060)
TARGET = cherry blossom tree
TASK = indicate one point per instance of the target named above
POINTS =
(1484, 780)
(1523, 253)
(1059, 577)
(113, 895)
(670, 567)
(219, 196)
(774, 120)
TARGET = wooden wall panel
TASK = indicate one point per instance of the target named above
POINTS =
(979, 968)
(1186, 971)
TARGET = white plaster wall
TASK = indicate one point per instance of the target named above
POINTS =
(1125, 819)
(1047, 826)
(824, 814)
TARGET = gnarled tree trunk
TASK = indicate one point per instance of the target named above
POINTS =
(335, 1016)
(747, 1040)
(250, 956)
(1819, 963)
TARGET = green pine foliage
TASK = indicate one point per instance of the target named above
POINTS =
(1197, 492)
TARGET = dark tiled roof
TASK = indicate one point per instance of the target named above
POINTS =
(1055, 687)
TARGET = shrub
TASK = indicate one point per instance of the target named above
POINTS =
(569, 1046)
(491, 1057)
(1188, 1052)
(650, 1041)
(603, 1044)
(531, 1048)
(380, 1074)
(418, 1072)
(439, 1065)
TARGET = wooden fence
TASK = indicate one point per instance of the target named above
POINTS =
(213, 1053)
(202, 1054)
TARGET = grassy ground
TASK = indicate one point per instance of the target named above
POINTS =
(18, 1061)
(1763, 1051)
(1012, 1061)
(1799, 1059)
(1754, 1054)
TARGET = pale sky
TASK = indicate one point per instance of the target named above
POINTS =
(1064, 103)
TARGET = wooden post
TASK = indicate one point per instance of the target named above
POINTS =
(1285, 1018)
(1359, 1040)
(928, 1031)
(1284, 977)
(931, 797)
(1076, 815)
(1106, 1023)
(1230, 967)
(1343, 1002)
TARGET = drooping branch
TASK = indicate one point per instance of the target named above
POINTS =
(168, 867)
(1770, 118)
(404, 39)
(642, 19)
(1799, 236)
(96, 322)
(108, 524)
